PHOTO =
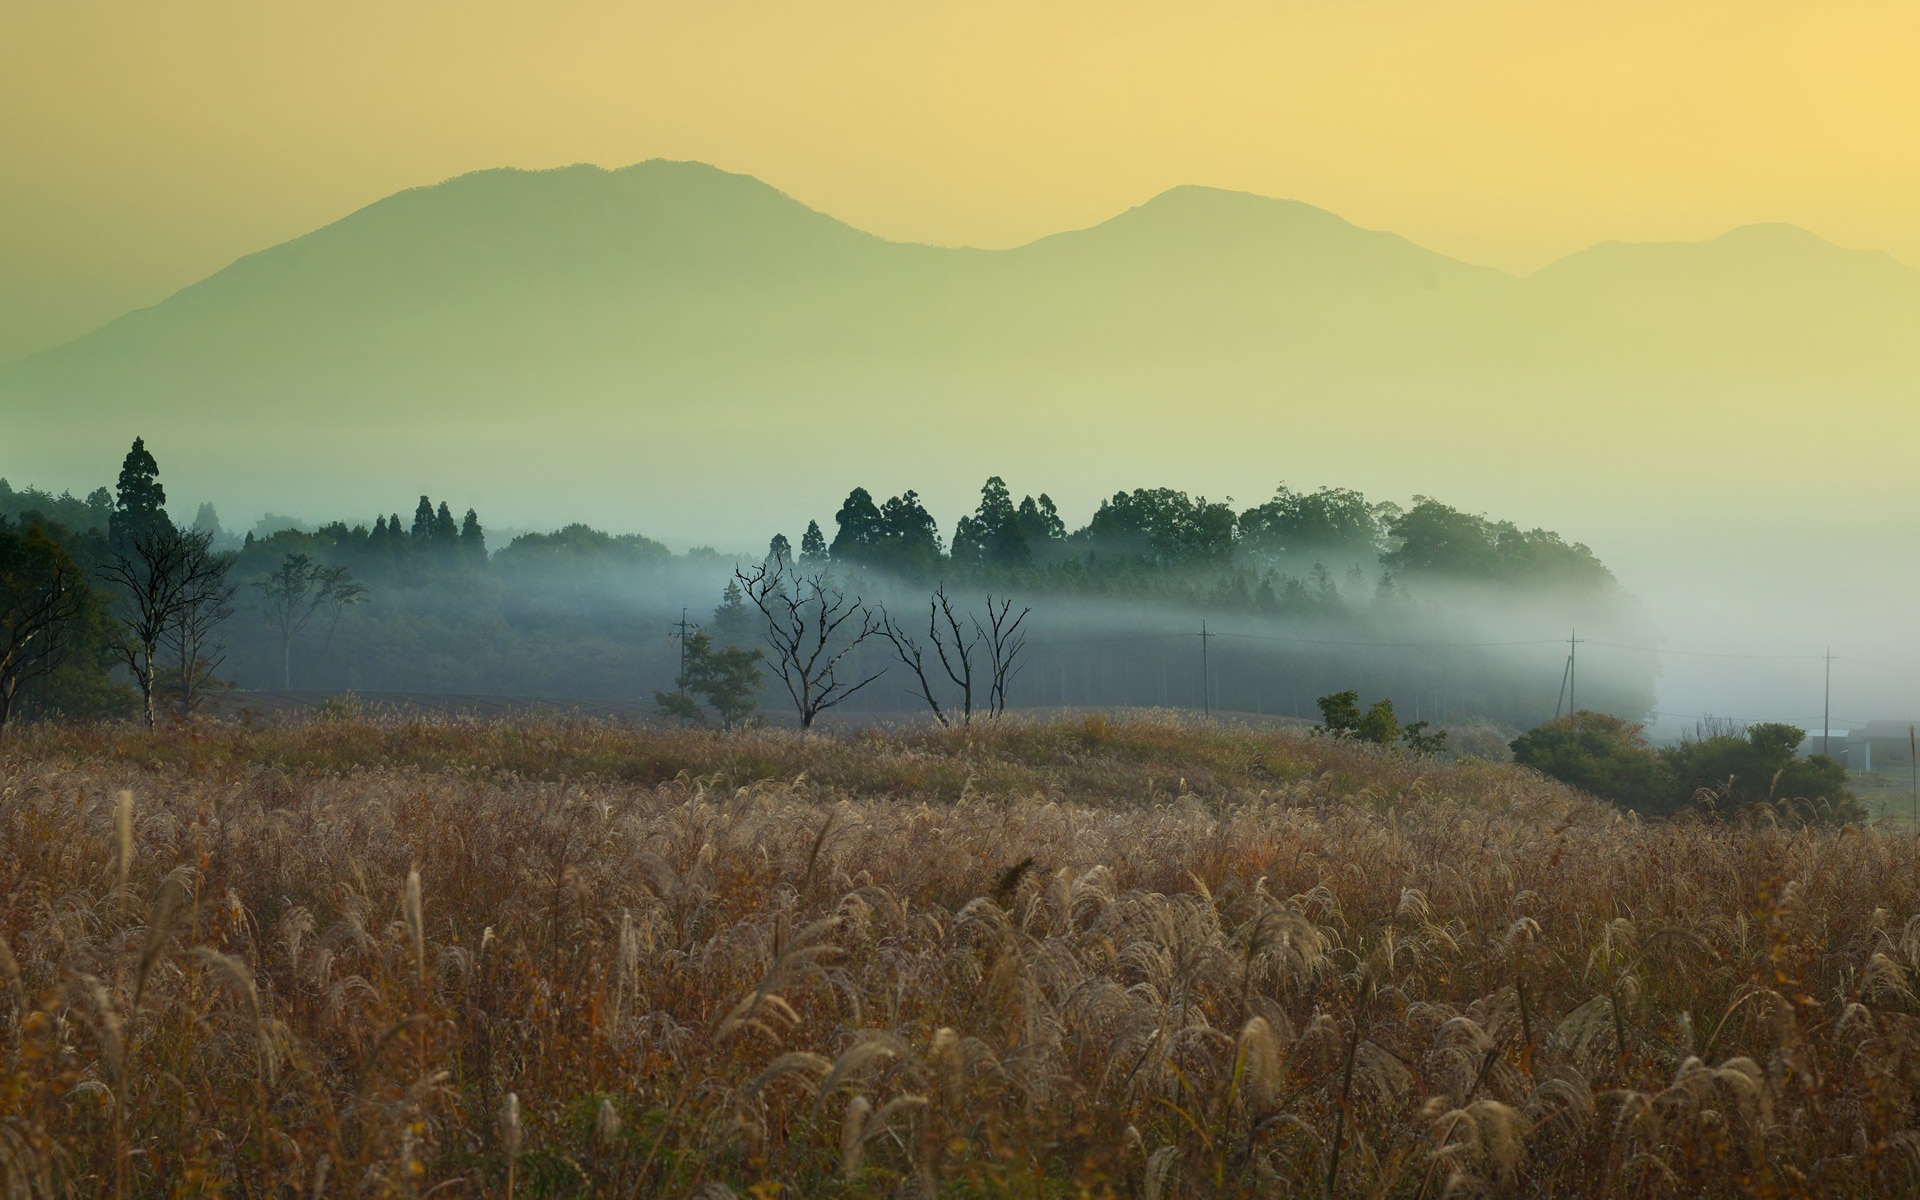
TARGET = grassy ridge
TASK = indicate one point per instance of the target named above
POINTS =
(1090, 957)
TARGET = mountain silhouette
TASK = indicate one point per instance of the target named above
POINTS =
(673, 300)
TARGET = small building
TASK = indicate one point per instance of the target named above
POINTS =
(1882, 746)
(1833, 743)
(1878, 746)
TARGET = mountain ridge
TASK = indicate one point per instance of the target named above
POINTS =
(721, 193)
(620, 316)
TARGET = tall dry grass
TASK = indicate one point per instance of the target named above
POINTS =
(1143, 958)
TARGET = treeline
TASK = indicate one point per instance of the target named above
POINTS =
(1286, 554)
(424, 603)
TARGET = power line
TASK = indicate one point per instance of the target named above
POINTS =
(1306, 641)
(1701, 653)
(1261, 637)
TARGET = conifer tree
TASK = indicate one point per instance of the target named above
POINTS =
(732, 619)
(862, 530)
(423, 522)
(473, 539)
(139, 504)
(813, 546)
(446, 534)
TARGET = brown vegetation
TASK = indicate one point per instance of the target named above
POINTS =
(371, 957)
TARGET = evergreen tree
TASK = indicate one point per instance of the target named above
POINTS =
(207, 521)
(911, 536)
(732, 619)
(1040, 523)
(473, 539)
(728, 679)
(994, 534)
(862, 530)
(813, 547)
(779, 551)
(139, 505)
(446, 534)
(423, 522)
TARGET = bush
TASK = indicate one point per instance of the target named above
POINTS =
(1611, 759)
(1728, 771)
(1602, 755)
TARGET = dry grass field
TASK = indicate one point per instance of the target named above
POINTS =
(372, 957)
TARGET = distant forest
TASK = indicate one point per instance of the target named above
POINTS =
(1449, 613)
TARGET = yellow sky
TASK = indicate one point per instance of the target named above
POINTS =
(144, 144)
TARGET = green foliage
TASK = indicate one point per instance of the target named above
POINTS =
(66, 511)
(1602, 755)
(1002, 535)
(56, 639)
(1728, 772)
(139, 502)
(422, 531)
(1342, 718)
(728, 678)
(1438, 541)
(1378, 725)
(581, 545)
(473, 539)
(1610, 758)
(1335, 523)
(1416, 738)
(813, 546)
(900, 535)
(1162, 526)
(732, 619)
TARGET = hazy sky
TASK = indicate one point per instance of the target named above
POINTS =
(144, 145)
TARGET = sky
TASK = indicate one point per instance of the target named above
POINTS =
(146, 145)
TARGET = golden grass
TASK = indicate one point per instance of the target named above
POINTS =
(1142, 957)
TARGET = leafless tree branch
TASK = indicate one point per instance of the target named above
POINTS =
(811, 626)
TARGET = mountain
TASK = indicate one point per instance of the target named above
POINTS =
(657, 326)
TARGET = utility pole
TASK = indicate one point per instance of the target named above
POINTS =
(1573, 648)
(1566, 679)
(1826, 707)
(1206, 691)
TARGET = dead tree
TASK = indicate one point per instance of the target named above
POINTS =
(953, 647)
(194, 637)
(42, 599)
(811, 627)
(1006, 643)
(155, 575)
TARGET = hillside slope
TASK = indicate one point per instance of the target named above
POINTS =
(605, 321)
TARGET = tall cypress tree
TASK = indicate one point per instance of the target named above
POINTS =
(446, 534)
(139, 502)
(423, 522)
(863, 531)
(813, 546)
(473, 539)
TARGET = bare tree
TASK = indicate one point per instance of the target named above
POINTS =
(156, 574)
(953, 647)
(298, 589)
(194, 636)
(42, 599)
(1006, 642)
(811, 626)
